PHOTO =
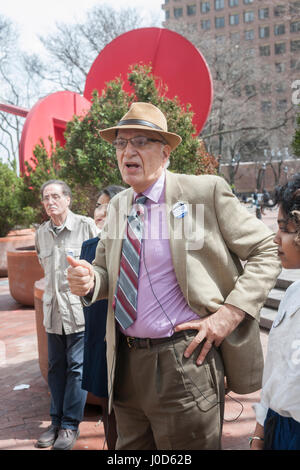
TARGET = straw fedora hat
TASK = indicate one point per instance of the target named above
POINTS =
(143, 116)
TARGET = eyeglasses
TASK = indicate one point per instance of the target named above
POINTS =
(98, 205)
(137, 142)
(55, 197)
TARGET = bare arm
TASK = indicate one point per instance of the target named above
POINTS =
(258, 444)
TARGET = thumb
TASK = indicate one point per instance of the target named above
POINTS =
(74, 262)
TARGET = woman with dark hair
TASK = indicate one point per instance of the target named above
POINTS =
(94, 378)
(278, 413)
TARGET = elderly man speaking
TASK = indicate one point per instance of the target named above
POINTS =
(181, 307)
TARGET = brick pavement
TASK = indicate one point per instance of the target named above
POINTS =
(24, 414)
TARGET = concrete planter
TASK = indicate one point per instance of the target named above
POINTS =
(39, 288)
(23, 269)
(14, 239)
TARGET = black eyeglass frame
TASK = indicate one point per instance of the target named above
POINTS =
(146, 140)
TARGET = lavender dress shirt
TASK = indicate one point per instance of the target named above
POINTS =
(160, 304)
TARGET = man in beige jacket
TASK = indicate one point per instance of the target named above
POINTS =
(61, 235)
(197, 309)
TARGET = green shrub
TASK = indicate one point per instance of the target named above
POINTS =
(87, 162)
(13, 213)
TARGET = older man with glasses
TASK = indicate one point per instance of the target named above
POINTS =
(62, 235)
(175, 296)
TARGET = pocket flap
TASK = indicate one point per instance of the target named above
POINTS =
(73, 299)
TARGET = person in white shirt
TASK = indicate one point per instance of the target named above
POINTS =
(278, 413)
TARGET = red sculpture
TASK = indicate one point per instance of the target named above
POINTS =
(49, 117)
(173, 59)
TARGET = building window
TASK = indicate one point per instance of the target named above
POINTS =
(219, 4)
(249, 35)
(167, 14)
(279, 29)
(266, 106)
(178, 12)
(265, 88)
(280, 48)
(235, 37)
(279, 67)
(220, 22)
(250, 52)
(246, 2)
(281, 105)
(263, 13)
(264, 32)
(295, 8)
(191, 10)
(280, 87)
(295, 65)
(234, 19)
(233, 3)
(205, 7)
(248, 16)
(250, 90)
(264, 50)
(205, 24)
(295, 46)
(279, 10)
(220, 39)
(295, 27)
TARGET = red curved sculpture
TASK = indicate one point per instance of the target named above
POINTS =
(49, 117)
(174, 59)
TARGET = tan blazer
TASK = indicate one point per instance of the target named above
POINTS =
(207, 264)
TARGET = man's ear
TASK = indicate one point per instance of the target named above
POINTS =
(166, 152)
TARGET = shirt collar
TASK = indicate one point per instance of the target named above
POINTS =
(154, 191)
(68, 223)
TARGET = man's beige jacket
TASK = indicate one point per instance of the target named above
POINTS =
(208, 245)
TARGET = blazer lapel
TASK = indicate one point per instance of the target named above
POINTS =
(178, 246)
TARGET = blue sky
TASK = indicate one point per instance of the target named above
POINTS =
(39, 16)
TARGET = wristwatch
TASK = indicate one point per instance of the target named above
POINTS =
(252, 438)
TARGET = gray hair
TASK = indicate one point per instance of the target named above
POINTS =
(66, 190)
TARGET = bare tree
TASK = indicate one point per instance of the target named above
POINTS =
(72, 48)
(9, 125)
(238, 129)
(17, 87)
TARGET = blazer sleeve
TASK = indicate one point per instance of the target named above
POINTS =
(253, 242)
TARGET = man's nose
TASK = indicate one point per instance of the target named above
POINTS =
(277, 238)
(130, 148)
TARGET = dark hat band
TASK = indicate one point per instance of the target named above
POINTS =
(139, 122)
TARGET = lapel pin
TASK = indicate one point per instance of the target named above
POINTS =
(180, 210)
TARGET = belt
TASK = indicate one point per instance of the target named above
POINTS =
(147, 343)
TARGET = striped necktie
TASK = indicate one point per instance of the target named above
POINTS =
(125, 300)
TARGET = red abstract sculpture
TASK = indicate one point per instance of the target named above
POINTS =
(48, 118)
(173, 58)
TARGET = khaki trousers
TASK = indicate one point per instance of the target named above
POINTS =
(163, 401)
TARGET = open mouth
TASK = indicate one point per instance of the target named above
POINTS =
(132, 165)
